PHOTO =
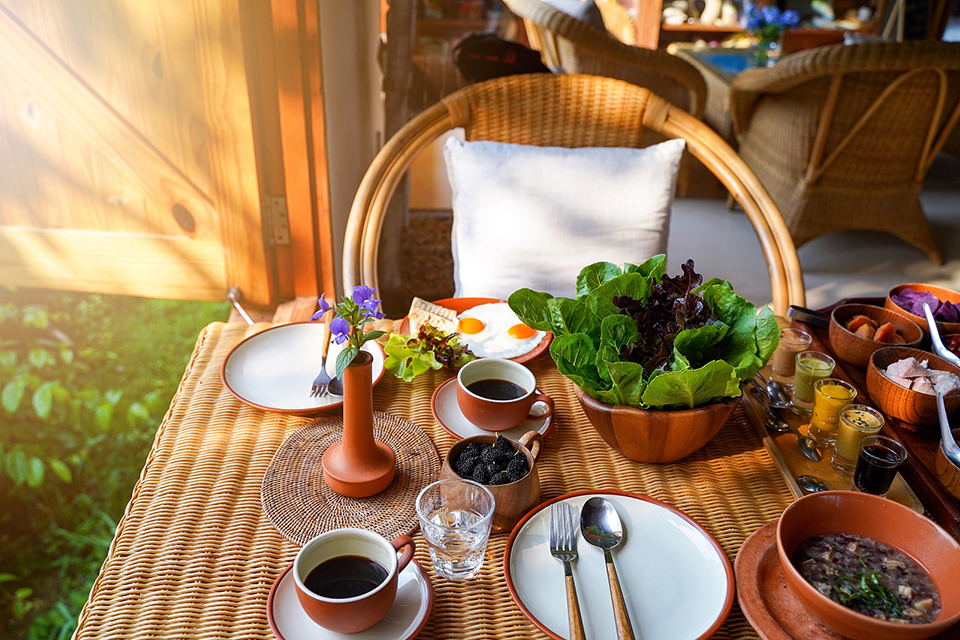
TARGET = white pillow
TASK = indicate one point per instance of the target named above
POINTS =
(526, 216)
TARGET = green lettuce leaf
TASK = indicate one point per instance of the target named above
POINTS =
(654, 267)
(594, 275)
(768, 334)
(739, 348)
(407, 362)
(572, 316)
(531, 307)
(632, 285)
(627, 382)
(693, 347)
(693, 387)
(575, 356)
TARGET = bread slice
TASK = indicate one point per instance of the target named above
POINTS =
(423, 312)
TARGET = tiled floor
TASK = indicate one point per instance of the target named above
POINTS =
(722, 244)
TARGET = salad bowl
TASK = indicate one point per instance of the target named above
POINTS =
(655, 436)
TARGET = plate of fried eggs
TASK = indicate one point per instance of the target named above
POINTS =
(491, 329)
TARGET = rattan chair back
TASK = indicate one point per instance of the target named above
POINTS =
(843, 136)
(618, 21)
(572, 46)
(564, 111)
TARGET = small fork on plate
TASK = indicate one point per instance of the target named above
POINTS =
(563, 547)
(322, 381)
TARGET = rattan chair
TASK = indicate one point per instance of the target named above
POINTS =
(842, 136)
(618, 21)
(573, 46)
(568, 111)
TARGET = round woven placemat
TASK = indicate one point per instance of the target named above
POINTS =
(301, 505)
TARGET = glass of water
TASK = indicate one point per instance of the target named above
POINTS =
(455, 518)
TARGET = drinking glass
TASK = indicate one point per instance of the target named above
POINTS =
(784, 360)
(856, 421)
(811, 366)
(877, 464)
(830, 396)
(455, 517)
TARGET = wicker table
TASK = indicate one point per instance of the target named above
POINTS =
(195, 556)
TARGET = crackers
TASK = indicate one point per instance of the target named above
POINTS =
(423, 312)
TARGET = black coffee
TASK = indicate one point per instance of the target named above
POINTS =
(495, 389)
(345, 577)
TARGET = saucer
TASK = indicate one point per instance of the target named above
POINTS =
(446, 411)
(403, 621)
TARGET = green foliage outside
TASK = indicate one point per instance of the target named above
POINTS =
(85, 380)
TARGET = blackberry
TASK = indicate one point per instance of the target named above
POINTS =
(489, 455)
(480, 474)
(464, 466)
(498, 478)
(517, 468)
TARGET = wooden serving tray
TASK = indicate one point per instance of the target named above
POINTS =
(921, 442)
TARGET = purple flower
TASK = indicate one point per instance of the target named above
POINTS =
(363, 293)
(770, 14)
(340, 329)
(370, 310)
(324, 307)
(790, 18)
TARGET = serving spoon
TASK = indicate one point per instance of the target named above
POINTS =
(947, 444)
(807, 446)
(600, 526)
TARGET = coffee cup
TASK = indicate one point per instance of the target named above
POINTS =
(346, 579)
(497, 394)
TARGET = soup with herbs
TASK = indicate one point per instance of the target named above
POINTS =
(869, 577)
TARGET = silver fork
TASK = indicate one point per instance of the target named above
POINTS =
(322, 381)
(563, 547)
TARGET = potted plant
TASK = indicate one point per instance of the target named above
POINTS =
(658, 361)
(767, 24)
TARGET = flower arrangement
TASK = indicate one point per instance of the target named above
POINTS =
(350, 315)
(768, 24)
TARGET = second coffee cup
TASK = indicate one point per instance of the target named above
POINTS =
(346, 579)
(497, 394)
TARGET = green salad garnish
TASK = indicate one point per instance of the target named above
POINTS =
(637, 337)
(409, 356)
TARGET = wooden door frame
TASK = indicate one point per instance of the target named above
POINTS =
(285, 58)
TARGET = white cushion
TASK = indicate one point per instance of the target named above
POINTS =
(526, 216)
(584, 11)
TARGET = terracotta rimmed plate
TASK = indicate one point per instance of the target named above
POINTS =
(403, 621)
(676, 580)
(273, 370)
(446, 411)
(465, 304)
(767, 600)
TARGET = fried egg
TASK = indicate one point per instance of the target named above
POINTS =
(494, 331)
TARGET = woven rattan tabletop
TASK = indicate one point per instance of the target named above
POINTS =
(195, 556)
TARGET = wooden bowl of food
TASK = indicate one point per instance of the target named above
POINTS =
(857, 330)
(655, 436)
(896, 400)
(916, 313)
(948, 473)
(905, 548)
(513, 499)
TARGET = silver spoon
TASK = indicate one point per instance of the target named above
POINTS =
(947, 444)
(779, 398)
(811, 484)
(938, 346)
(600, 526)
(774, 421)
(807, 446)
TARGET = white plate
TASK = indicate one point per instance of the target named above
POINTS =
(446, 411)
(676, 580)
(404, 620)
(273, 370)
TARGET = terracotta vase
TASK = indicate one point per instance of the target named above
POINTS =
(358, 466)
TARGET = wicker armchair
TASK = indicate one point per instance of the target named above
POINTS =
(618, 22)
(842, 136)
(569, 111)
(575, 47)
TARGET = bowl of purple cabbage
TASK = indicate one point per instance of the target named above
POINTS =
(655, 358)
(908, 299)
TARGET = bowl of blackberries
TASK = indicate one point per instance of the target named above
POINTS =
(504, 466)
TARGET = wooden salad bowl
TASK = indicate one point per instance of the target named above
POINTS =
(942, 293)
(912, 407)
(655, 436)
(948, 473)
(856, 350)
